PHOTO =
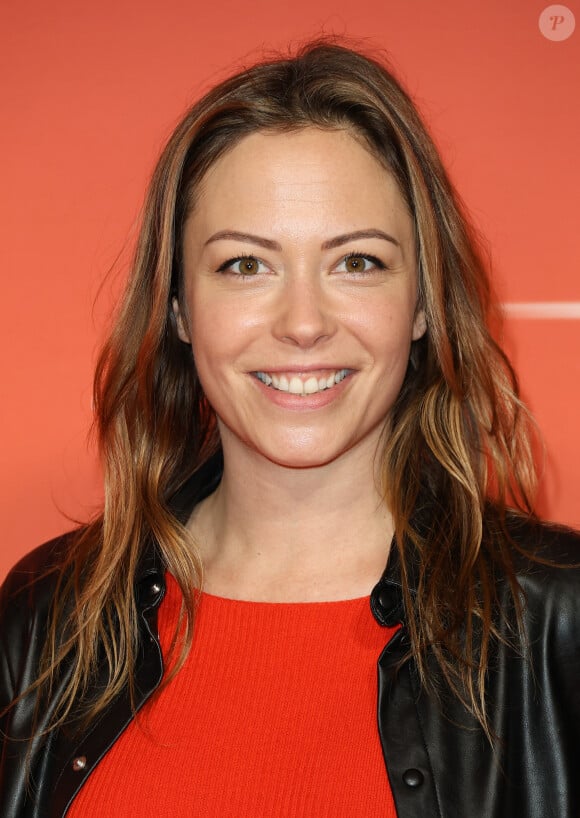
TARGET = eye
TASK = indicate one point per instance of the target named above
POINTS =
(358, 263)
(245, 266)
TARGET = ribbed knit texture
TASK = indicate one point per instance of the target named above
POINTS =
(272, 716)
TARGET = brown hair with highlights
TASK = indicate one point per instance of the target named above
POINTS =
(458, 433)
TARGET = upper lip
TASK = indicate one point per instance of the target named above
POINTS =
(302, 368)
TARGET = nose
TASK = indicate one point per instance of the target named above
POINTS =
(304, 316)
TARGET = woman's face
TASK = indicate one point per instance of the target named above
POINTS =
(300, 287)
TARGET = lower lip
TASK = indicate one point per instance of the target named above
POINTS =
(303, 403)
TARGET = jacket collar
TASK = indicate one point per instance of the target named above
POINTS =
(387, 596)
(199, 486)
(150, 577)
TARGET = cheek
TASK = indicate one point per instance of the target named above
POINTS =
(218, 340)
(218, 311)
(211, 328)
(385, 328)
(227, 328)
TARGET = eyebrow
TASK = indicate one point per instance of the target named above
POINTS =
(338, 241)
(330, 244)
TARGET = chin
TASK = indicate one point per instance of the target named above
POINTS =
(311, 455)
(301, 463)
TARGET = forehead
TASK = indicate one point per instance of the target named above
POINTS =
(291, 179)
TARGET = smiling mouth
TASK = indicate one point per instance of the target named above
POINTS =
(296, 385)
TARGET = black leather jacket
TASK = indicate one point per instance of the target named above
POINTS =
(439, 765)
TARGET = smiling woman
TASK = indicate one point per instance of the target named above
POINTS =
(318, 314)
(317, 467)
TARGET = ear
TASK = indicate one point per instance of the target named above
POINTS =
(182, 330)
(419, 325)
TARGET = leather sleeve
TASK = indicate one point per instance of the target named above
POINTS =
(550, 691)
(25, 600)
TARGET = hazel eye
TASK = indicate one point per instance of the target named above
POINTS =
(358, 263)
(355, 264)
(245, 266)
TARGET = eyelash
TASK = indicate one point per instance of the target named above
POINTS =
(224, 268)
(373, 260)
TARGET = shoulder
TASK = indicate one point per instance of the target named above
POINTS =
(546, 558)
(26, 597)
(545, 550)
(35, 575)
(550, 541)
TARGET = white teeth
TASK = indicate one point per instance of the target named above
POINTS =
(295, 386)
(311, 386)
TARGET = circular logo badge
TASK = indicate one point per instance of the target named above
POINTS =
(557, 23)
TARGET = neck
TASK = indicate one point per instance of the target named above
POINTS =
(284, 534)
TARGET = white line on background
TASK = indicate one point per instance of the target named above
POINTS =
(543, 309)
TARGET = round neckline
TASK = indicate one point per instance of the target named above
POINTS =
(283, 603)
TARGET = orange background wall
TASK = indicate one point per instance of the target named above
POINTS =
(91, 92)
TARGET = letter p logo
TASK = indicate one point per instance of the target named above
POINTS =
(557, 23)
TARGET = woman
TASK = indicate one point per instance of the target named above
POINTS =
(299, 391)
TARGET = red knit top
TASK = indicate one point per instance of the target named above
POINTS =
(272, 716)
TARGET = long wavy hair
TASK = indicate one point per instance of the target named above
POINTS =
(458, 430)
